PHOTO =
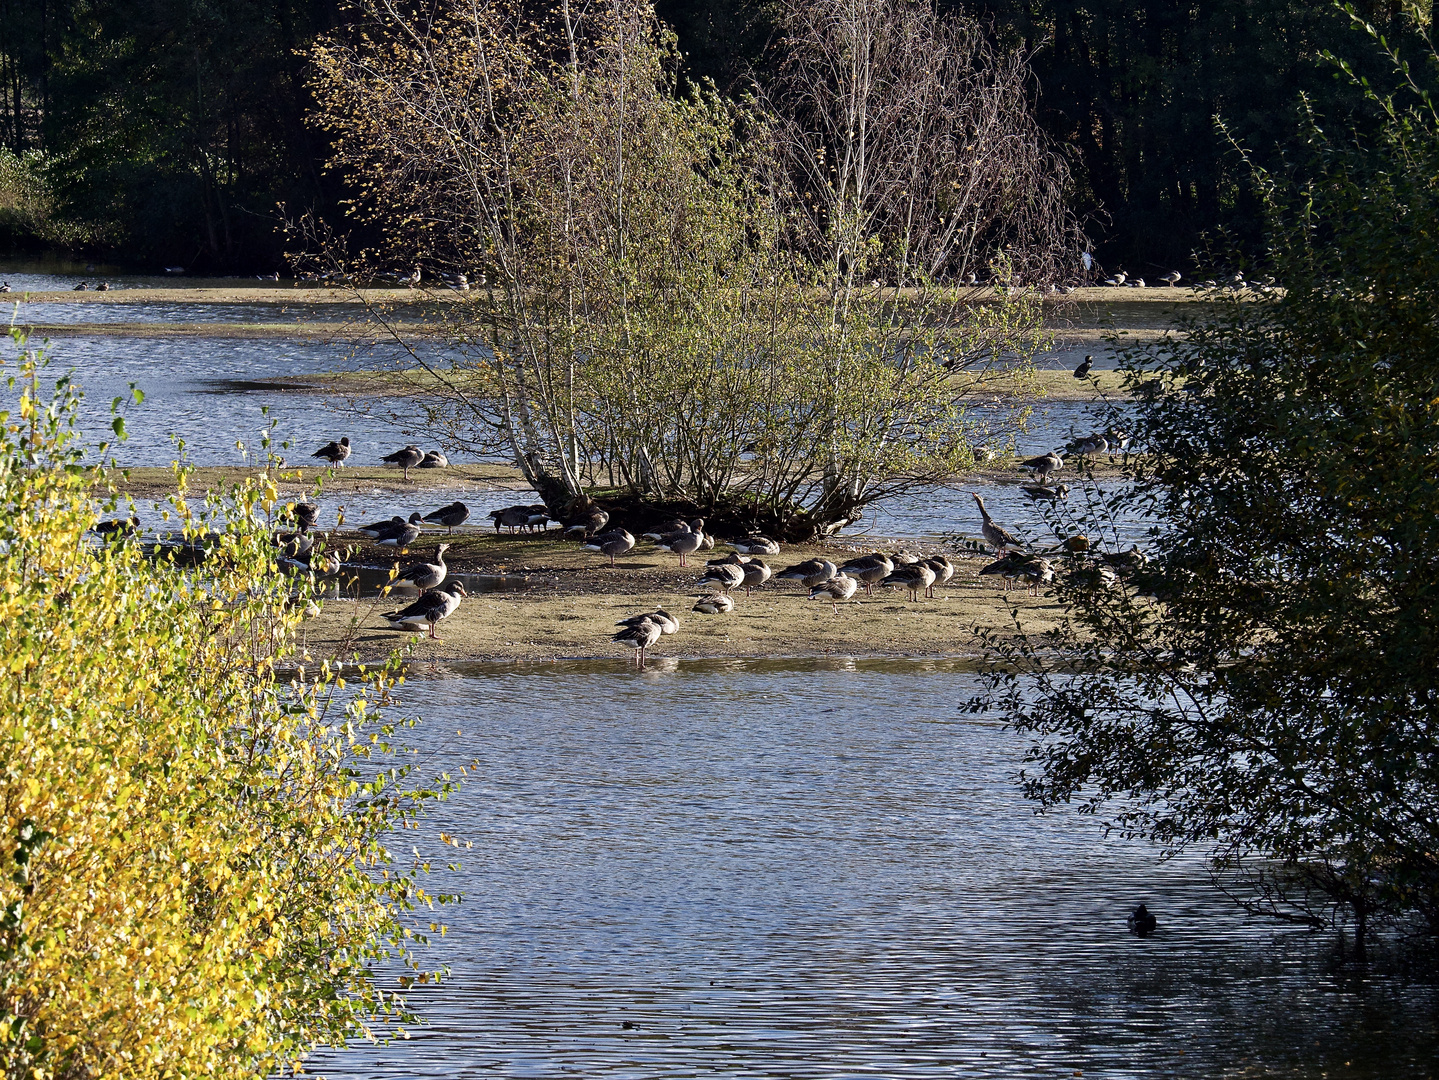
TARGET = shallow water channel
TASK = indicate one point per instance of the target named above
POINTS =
(824, 869)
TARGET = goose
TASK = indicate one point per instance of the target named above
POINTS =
(1093, 578)
(116, 527)
(1172, 278)
(334, 452)
(840, 587)
(5, 287)
(1125, 561)
(1006, 568)
(294, 544)
(726, 575)
(457, 513)
(916, 578)
(811, 572)
(943, 567)
(104, 286)
(305, 514)
(403, 536)
(904, 558)
(537, 516)
(1044, 465)
(586, 524)
(756, 573)
(511, 517)
(640, 637)
(1116, 280)
(81, 287)
(996, 534)
(869, 569)
(1088, 447)
(1036, 492)
(379, 529)
(755, 545)
(462, 282)
(1036, 572)
(429, 609)
(684, 543)
(1118, 441)
(615, 542)
(425, 575)
(406, 459)
(714, 604)
(433, 459)
(1141, 921)
(668, 528)
(667, 623)
(1075, 545)
(1083, 369)
(1137, 283)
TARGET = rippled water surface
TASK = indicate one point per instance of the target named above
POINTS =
(825, 870)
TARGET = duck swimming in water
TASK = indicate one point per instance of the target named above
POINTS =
(1141, 921)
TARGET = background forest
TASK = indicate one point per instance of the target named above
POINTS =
(167, 132)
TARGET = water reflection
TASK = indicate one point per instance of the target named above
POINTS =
(822, 870)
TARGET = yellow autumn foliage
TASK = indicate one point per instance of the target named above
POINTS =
(192, 872)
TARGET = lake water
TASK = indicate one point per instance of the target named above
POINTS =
(824, 869)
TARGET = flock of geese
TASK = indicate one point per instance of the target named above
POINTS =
(743, 569)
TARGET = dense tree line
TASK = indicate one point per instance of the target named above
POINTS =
(173, 129)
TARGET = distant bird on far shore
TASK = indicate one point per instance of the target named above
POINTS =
(406, 459)
(104, 286)
(1083, 369)
(1044, 465)
(334, 452)
(1116, 280)
(4, 287)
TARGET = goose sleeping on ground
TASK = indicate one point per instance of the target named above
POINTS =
(381, 529)
(334, 452)
(434, 460)
(429, 609)
(727, 575)
(869, 570)
(755, 545)
(306, 514)
(402, 537)
(452, 516)
(424, 575)
(640, 637)
(615, 542)
(840, 587)
(996, 534)
(715, 604)
(811, 572)
(406, 459)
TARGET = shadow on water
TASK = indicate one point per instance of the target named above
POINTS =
(802, 868)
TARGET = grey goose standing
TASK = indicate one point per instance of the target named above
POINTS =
(640, 637)
(811, 572)
(429, 609)
(1044, 465)
(612, 543)
(406, 459)
(916, 578)
(685, 542)
(424, 575)
(667, 623)
(997, 535)
(456, 514)
(869, 570)
(726, 574)
(840, 587)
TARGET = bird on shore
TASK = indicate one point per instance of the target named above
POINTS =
(380, 529)
(1000, 538)
(1044, 465)
(451, 516)
(1126, 562)
(5, 287)
(943, 567)
(510, 517)
(640, 637)
(585, 524)
(305, 514)
(612, 543)
(1138, 283)
(406, 459)
(1116, 280)
(869, 570)
(294, 544)
(1038, 492)
(334, 452)
(428, 610)
(1141, 921)
(714, 604)
(682, 543)
(1006, 568)
(537, 516)
(104, 286)
(811, 572)
(403, 536)
(667, 623)
(840, 587)
(755, 545)
(1035, 571)
(1172, 278)
(756, 573)
(433, 459)
(915, 578)
(81, 287)
(1083, 369)
(724, 574)
(1088, 446)
(424, 575)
